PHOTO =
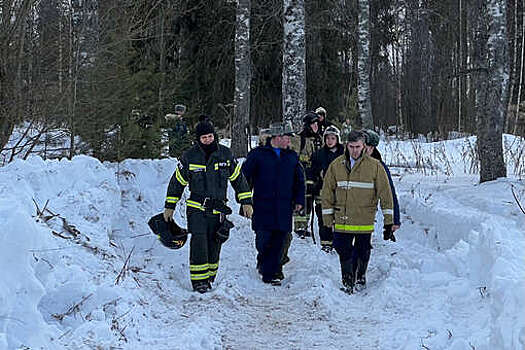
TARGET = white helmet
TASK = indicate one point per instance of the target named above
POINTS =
(321, 110)
(332, 130)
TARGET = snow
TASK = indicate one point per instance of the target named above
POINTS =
(455, 278)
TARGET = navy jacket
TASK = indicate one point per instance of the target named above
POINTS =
(320, 162)
(397, 220)
(278, 184)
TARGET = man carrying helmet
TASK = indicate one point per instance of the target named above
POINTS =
(306, 143)
(206, 167)
(320, 161)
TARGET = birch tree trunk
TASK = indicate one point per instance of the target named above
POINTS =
(294, 68)
(363, 65)
(518, 102)
(243, 76)
(491, 61)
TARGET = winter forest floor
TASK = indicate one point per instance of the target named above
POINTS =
(88, 274)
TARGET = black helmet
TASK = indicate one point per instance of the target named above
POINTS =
(310, 118)
(169, 233)
(223, 233)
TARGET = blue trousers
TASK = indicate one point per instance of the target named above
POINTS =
(354, 253)
(269, 245)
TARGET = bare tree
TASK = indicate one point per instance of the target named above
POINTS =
(13, 19)
(241, 113)
(491, 62)
(294, 68)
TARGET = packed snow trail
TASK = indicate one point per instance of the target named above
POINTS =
(453, 280)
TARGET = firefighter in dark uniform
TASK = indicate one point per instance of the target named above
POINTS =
(305, 144)
(320, 161)
(206, 167)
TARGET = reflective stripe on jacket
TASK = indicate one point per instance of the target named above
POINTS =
(349, 198)
(207, 179)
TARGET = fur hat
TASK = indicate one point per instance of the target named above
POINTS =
(204, 128)
(279, 129)
(372, 138)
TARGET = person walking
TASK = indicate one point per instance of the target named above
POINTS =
(323, 123)
(320, 161)
(306, 143)
(206, 167)
(353, 185)
(371, 143)
(179, 138)
(346, 128)
(277, 179)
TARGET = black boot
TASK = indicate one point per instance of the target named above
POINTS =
(327, 248)
(273, 281)
(279, 274)
(362, 265)
(360, 283)
(348, 283)
(301, 234)
(200, 286)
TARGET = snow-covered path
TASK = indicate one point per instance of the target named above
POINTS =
(455, 279)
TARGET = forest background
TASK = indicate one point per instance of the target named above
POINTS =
(93, 70)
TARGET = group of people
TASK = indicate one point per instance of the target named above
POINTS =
(278, 186)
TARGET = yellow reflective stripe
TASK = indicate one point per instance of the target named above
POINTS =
(194, 204)
(236, 172)
(213, 273)
(201, 267)
(199, 206)
(300, 219)
(326, 242)
(197, 166)
(354, 227)
(216, 166)
(213, 266)
(244, 195)
(180, 178)
(309, 182)
(199, 276)
(172, 199)
(327, 211)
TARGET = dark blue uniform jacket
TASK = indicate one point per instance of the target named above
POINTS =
(278, 184)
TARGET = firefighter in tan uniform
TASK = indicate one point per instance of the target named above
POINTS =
(353, 185)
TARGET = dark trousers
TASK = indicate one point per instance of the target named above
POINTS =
(354, 253)
(325, 233)
(269, 246)
(205, 249)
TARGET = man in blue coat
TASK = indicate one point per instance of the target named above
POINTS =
(277, 179)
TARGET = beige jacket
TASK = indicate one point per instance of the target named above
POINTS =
(349, 198)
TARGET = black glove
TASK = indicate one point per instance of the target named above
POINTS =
(388, 234)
